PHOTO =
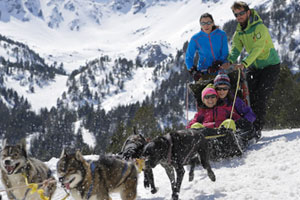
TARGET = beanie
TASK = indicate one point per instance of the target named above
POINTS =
(222, 79)
(207, 91)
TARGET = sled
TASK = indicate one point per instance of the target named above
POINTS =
(243, 90)
(225, 143)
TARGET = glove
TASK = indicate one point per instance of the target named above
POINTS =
(214, 67)
(196, 74)
(193, 70)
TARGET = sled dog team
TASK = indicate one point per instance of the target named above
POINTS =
(27, 178)
(85, 180)
(95, 180)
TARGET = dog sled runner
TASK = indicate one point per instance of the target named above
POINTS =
(225, 143)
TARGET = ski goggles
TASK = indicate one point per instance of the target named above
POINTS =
(222, 88)
(206, 23)
(240, 13)
(210, 96)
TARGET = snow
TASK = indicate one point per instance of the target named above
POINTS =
(141, 85)
(46, 95)
(269, 169)
(119, 35)
(87, 136)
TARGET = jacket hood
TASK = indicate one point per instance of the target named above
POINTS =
(253, 19)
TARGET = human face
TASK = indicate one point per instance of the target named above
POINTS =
(241, 15)
(222, 91)
(206, 24)
(210, 100)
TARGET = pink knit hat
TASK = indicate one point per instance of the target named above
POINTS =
(207, 91)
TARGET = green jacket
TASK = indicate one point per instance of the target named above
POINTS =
(255, 38)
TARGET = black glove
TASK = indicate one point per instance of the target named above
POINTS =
(215, 67)
(196, 74)
(193, 70)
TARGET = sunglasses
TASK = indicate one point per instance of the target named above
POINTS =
(206, 23)
(240, 13)
(210, 96)
(220, 88)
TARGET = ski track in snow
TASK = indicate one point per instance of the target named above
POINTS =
(267, 170)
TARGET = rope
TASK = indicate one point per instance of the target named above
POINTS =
(34, 188)
(20, 187)
(67, 195)
(236, 91)
(235, 95)
(214, 136)
(187, 104)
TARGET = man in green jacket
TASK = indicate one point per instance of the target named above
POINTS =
(262, 62)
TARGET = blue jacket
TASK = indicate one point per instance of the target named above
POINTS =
(210, 47)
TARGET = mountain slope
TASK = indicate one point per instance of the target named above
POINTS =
(122, 32)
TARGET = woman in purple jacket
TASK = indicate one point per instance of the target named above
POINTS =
(222, 86)
(245, 123)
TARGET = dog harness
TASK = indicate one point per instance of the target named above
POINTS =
(169, 138)
(92, 167)
(192, 149)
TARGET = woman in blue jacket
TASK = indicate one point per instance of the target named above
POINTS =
(210, 44)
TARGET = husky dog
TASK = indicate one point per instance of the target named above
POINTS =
(95, 180)
(175, 150)
(132, 149)
(16, 165)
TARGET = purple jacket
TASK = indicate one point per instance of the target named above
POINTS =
(243, 110)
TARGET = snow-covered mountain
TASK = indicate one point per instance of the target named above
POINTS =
(72, 13)
(94, 64)
(70, 34)
(110, 54)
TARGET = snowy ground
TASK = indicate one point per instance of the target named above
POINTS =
(268, 170)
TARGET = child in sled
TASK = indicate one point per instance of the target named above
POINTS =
(245, 123)
(213, 113)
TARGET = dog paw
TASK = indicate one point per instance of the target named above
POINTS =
(175, 197)
(153, 190)
(212, 176)
(191, 177)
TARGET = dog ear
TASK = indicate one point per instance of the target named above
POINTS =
(22, 144)
(4, 141)
(134, 131)
(78, 155)
(142, 137)
(63, 153)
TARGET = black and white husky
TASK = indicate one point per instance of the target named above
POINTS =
(16, 165)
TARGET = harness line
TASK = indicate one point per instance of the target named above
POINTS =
(233, 104)
(236, 91)
(187, 103)
(29, 186)
(34, 188)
